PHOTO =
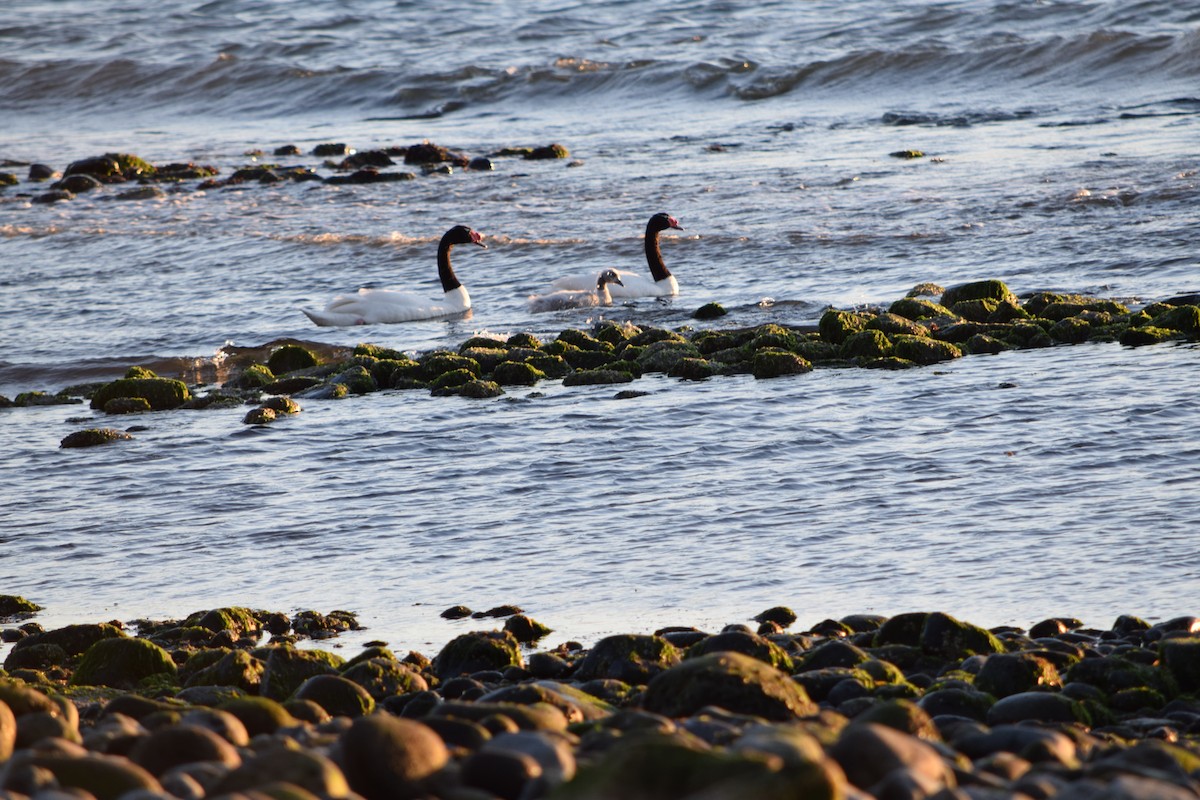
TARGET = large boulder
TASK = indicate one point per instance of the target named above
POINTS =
(122, 663)
(477, 651)
(631, 658)
(387, 758)
(736, 682)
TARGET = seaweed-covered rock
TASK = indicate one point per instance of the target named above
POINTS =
(526, 629)
(383, 677)
(591, 377)
(517, 373)
(923, 350)
(916, 309)
(1148, 334)
(259, 416)
(1179, 318)
(476, 651)
(289, 358)
(480, 390)
(235, 619)
(73, 639)
(894, 323)
(943, 635)
(870, 752)
(236, 668)
(692, 369)
(287, 668)
(549, 151)
(774, 363)
(160, 393)
(978, 290)
(867, 344)
(13, 606)
(259, 714)
(91, 437)
(122, 663)
(630, 658)
(709, 311)
(662, 355)
(835, 326)
(1071, 330)
(1181, 657)
(750, 644)
(734, 681)
(975, 310)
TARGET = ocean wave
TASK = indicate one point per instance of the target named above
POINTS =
(243, 84)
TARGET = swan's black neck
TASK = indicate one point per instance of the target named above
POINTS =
(445, 271)
(654, 255)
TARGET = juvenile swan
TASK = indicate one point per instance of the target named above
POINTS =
(634, 285)
(370, 306)
(576, 298)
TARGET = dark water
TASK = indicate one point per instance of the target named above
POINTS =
(1060, 141)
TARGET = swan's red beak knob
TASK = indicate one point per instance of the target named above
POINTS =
(477, 238)
(674, 223)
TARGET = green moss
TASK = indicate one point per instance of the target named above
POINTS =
(122, 663)
(1179, 318)
(290, 358)
(286, 668)
(92, 437)
(375, 351)
(1027, 335)
(631, 658)
(549, 151)
(383, 678)
(583, 341)
(592, 377)
(259, 416)
(589, 359)
(924, 350)
(483, 343)
(1071, 330)
(160, 393)
(709, 311)
(480, 390)
(8, 179)
(259, 714)
(514, 373)
(772, 363)
(1138, 337)
(526, 340)
(978, 290)
(867, 344)
(235, 619)
(733, 681)
(916, 309)
(440, 362)
(254, 376)
(943, 635)
(282, 405)
(836, 326)
(452, 379)
(982, 343)
(12, 605)
(692, 369)
(487, 357)
(550, 365)
(975, 310)
(130, 165)
(139, 372)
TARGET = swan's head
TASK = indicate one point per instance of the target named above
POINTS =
(662, 221)
(461, 234)
(608, 276)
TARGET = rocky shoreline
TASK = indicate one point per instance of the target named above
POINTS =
(919, 705)
(978, 318)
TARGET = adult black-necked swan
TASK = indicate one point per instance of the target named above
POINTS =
(578, 298)
(661, 282)
(371, 306)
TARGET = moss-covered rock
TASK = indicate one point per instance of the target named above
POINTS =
(1181, 657)
(254, 376)
(630, 658)
(127, 405)
(773, 363)
(383, 677)
(709, 311)
(286, 668)
(943, 635)
(236, 668)
(439, 362)
(975, 310)
(662, 355)
(1071, 330)
(835, 326)
(476, 651)
(978, 290)
(122, 663)
(1003, 674)
(525, 340)
(981, 343)
(916, 309)
(357, 380)
(525, 629)
(235, 619)
(733, 681)
(14, 606)
(1179, 318)
(867, 344)
(517, 373)
(73, 639)
(289, 358)
(692, 369)
(923, 350)
(452, 379)
(160, 393)
(771, 335)
(592, 377)
(749, 644)
(1139, 337)
(376, 351)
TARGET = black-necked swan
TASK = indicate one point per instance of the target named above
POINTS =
(577, 298)
(371, 306)
(634, 285)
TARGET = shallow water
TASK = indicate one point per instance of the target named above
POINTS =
(1060, 155)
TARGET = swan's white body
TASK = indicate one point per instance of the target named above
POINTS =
(635, 285)
(381, 306)
(661, 282)
(578, 298)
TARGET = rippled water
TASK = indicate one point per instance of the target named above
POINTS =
(1060, 141)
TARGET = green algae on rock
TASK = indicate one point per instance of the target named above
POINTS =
(734, 681)
(122, 663)
(92, 437)
(160, 393)
(479, 650)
